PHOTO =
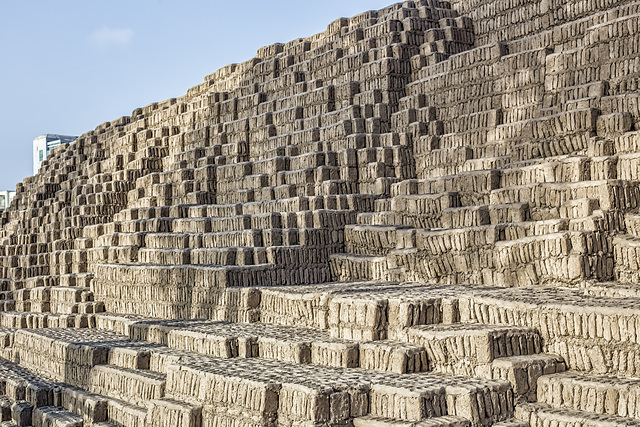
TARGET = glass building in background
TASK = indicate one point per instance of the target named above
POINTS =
(43, 145)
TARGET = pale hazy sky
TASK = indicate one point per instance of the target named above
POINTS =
(67, 66)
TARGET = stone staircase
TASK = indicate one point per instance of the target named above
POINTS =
(398, 367)
(425, 215)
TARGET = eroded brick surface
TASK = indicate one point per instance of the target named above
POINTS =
(425, 215)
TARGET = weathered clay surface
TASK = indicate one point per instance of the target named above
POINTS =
(426, 215)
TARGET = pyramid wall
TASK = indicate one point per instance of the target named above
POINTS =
(425, 215)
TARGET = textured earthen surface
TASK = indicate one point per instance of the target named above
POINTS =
(424, 216)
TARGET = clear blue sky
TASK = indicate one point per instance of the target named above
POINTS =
(67, 66)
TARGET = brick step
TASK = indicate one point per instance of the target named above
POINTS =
(371, 239)
(21, 415)
(442, 162)
(541, 415)
(23, 385)
(479, 245)
(82, 280)
(348, 267)
(174, 412)
(143, 202)
(612, 289)
(291, 254)
(275, 385)
(593, 90)
(474, 142)
(27, 394)
(569, 122)
(598, 394)
(211, 225)
(6, 342)
(534, 227)
(5, 408)
(579, 208)
(632, 224)
(56, 300)
(578, 103)
(381, 218)
(29, 320)
(215, 256)
(63, 402)
(167, 240)
(308, 306)
(390, 356)
(523, 372)
(469, 349)
(424, 210)
(88, 348)
(153, 290)
(122, 413)
(486, 163)
(133, 386)
(511, 423)
(551, 257)
(157, 225)
(229, 340)
(472, 188)
(552, 169)
(20, 384)
(598, 221)
(616, 344)
(91, 407)
(287, 344)
(55, 416)
(552, 195)
(442, 421)
(472, 216)
(627, 143)
(365, 311)
(246, 240)
(625, 255)
(126, 235)
(408, 305)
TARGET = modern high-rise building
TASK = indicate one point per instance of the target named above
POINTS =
(43, 144)
(5, 199)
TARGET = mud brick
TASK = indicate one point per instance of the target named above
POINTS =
(436, 185)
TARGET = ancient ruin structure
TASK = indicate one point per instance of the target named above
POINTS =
(423, 216)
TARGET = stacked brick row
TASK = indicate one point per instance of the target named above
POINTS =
(285, 156)
(171, 267)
